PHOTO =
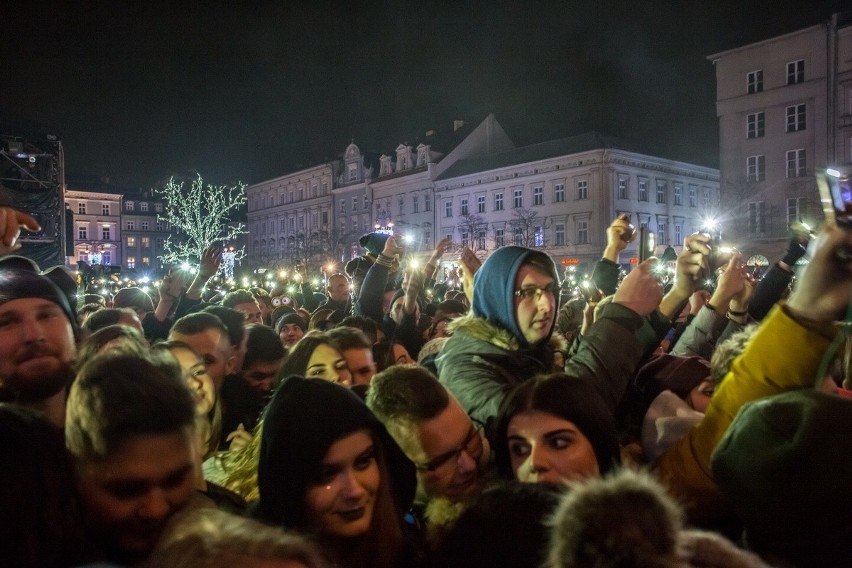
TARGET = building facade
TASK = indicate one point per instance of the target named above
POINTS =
(97, 227)
(785, 111)
(475, 187)
(143, 236)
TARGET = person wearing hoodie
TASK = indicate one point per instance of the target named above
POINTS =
(506, 338)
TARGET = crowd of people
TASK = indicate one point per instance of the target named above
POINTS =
(500, 421)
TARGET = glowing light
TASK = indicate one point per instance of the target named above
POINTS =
(185, 266)
(408, 239)
(144, 280)
(291, 289)
(832, 172)
(413, 263)
(282, 275)
(297, 277)
(315, 281)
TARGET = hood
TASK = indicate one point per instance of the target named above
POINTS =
(494, 286)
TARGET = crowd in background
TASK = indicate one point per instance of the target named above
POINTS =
(497, 418)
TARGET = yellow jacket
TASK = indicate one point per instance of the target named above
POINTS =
(782, 355)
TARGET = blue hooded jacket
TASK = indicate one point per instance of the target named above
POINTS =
(494, 286)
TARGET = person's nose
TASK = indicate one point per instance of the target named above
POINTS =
(353, 489)
(155, 505)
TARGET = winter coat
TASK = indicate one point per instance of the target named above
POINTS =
(783, 355)
(482, 361)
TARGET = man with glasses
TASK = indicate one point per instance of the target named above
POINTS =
(506, 338)
(447, 447)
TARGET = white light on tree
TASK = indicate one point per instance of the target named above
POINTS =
(201, 214)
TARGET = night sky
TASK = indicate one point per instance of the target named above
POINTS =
(247, 91)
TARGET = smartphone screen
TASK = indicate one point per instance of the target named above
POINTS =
(836, 195)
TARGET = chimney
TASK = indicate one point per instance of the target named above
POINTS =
(457, 124)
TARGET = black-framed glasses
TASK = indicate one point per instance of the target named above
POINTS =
(535, 292)
(472, 445)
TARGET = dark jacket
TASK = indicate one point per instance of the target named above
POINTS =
(482, 362)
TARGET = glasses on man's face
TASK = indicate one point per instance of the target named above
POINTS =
(534, 292)
(472, 445)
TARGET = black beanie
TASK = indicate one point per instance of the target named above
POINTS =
(18, 284)
(374, 242)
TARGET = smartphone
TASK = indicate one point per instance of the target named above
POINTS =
(835, 194)
(628, 233)
(647, 243)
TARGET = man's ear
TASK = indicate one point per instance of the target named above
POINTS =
(231, 363)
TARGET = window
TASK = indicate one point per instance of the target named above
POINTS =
(706, 196)
(692, 191)
(81, 208)
(129, 205)
(518, 198)
(793, 210)
(301, 222)
(82, 232)
(465, 239)
(756, 168)
(582, 189)
(518, 236)
(146, 260)
(106, 258)
(292, 223)
(354, 203)
(678, 234)
(796, 163)
(582, 232)
(160, 243)
(480, 204)
(145, 225)
(498, 201)
(401, 204)
(105, 208)
(158, 207)
(314, 190)
(538, 195)
(755, 124)
(364, 202)
(146, 242)
(415, 202)
(499, 238)
(353, 172)
(448, 208)
(796, 117)
(661, 192)
(538, 235)
(160, 226)
(464, 210)
(662, 234)
(343, 207)
(755, 81)
(105, 233)
(756, 218)
(480, 240)
(643, 190)
(143, 206)
(131, 262)
(427, 202)
(323, 216)
(622, 189)
(678, 194)
(130, 225)
(559, 234)
(796, 72)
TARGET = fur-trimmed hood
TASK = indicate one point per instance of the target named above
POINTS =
(497, 336)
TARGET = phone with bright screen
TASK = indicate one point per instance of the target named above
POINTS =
(836, 194)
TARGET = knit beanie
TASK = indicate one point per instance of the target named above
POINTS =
(303, 419)
(291, 318)
(785, 465)
(374, 242)
(19, 284)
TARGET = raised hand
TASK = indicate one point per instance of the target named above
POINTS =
(11, 223)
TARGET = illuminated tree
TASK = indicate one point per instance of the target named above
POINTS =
(202, 214)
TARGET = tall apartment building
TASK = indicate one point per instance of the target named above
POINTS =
(785, 111)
